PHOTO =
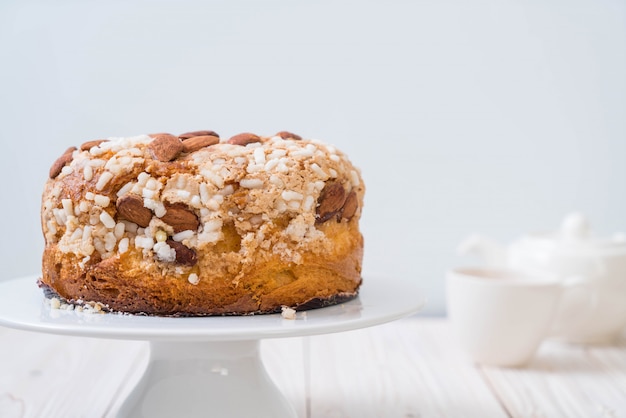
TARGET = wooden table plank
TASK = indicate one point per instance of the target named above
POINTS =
(55, 376)
(566, 381)
(405, 369)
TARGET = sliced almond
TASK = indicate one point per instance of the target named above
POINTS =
(187, 135)
(131, 208)
(86, 146)
(330, 202)
(244, 139)
(61, 162)
(350, 206)
(289, 135)
(198, 142)
(165, 147)
(180, 217)
(184, 255)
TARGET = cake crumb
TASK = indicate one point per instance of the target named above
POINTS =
(78, 306)
(288, 313)
(193, 278)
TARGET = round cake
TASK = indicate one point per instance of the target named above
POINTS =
(194, 225)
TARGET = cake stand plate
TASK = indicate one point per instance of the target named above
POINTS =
(201, 367)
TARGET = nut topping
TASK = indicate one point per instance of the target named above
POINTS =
(165, 147)
(187, 135)
(289, 135)
(198, 142)
(133, 195)
(350, 206)
(61, 162)
(131, 208)
(86, 146)
(180, 217)
(244, 139)
(330, 202)
(184, 255)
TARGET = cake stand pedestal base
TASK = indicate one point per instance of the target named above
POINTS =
(202, 379)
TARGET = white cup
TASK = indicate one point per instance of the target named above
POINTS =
(501, 316)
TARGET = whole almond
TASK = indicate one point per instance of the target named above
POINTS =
(61, 162)
(289, 135)
(165, 147)
(180, 217)
(350, 206)
(244, 139)
(330, 202)
(86, 146)
(198, 142)
(184, 254)
(131, 208)
(187, 135)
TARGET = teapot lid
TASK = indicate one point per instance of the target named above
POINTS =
(575, 234)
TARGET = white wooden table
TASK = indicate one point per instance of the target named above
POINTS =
(410, 368)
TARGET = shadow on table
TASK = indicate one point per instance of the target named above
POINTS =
(561, 357)
(392, 407)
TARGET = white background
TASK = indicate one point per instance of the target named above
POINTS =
(491, 116)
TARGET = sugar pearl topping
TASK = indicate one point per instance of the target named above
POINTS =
(155, 195)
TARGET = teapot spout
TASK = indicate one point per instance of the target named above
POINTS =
(491, 252)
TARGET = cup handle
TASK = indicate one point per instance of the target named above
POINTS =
(570, 284)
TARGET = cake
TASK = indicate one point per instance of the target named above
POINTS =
(195, 225)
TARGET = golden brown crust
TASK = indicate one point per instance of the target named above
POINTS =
(233, 228)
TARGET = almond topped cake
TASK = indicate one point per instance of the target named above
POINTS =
(192, 225)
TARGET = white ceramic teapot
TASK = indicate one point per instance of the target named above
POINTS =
(597, 312)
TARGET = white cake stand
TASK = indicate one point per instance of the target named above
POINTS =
(211, 366)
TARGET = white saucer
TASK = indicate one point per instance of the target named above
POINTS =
(207, 364)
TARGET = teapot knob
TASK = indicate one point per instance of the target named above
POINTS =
(575, 226)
